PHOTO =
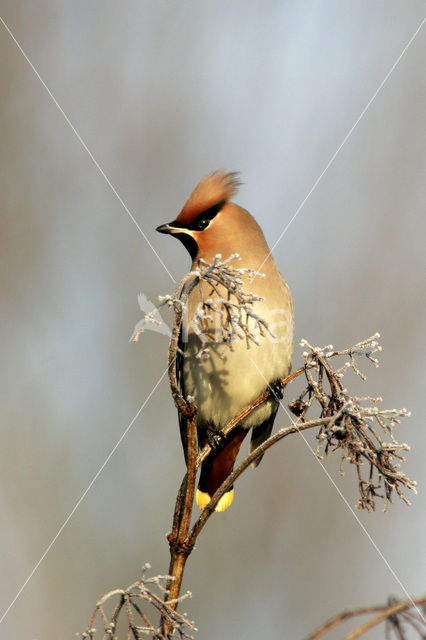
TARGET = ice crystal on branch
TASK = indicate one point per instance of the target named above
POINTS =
(132, 609)
(361, 430)
(225, 312)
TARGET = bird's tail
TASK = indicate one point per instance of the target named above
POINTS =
(216, 468)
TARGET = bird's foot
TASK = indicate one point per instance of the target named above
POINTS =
(215, 437)
(277, 389)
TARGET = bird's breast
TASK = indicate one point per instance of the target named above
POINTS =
(228, 380)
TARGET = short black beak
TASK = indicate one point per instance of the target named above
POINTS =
(165, 228)
(178, 230)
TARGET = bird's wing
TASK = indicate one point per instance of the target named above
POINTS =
(262, 433)
(180, 382)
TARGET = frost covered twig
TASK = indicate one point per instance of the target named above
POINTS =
(226, 307)
(130, 604)
(361, 430)
(225, 313)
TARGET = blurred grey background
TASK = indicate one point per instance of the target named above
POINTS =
(163, 93)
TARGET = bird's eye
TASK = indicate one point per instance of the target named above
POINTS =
(203, 223)
(204, 218)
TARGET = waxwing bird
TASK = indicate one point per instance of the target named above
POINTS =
(223, 384)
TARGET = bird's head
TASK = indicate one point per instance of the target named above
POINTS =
(209, 223)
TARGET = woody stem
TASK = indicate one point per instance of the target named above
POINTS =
(179, 547)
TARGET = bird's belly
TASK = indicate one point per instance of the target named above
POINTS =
(222, 387)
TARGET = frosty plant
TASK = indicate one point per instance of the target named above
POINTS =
(354, 426)
(224, 316)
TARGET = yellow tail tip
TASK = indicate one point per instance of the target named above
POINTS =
(202, 499)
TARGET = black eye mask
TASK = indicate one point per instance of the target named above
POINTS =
(204, 218)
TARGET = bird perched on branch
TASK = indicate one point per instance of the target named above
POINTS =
(223, 384)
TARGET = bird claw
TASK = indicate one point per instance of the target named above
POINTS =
(215, 437)
(277, 389)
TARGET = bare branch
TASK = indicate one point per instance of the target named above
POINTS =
(147, 591)
(259, 451)
(394, 613)
(359, 426)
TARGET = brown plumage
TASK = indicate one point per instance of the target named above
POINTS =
(214, 188)
(207, 225)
